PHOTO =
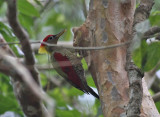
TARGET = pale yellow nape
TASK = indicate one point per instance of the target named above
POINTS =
(42, 50)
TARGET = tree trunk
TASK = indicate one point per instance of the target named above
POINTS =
(110, 22)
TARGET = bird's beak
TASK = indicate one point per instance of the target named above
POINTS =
(59, 34)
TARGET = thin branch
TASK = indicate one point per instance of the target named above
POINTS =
(152, 31)
(75, 48)
(12, 43)
(156, 97)
(44, 67)
(5, 47)
(155, 86)
(90, 48)
(158, 37)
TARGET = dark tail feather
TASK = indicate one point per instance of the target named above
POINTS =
(93, 93)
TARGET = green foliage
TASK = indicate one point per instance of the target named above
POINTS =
(90, 81)
(84, 63)
(155, 14)
(26, 21)
(147, 56)
(6, 32)
(39, 22)
(2, 8)
(68, 113)
(154, 18)
(1, 2)
(158, 106)
(8, 101)
(27, 8)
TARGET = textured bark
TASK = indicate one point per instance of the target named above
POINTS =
(110, 22)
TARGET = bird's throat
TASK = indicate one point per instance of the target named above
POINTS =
(42, 50)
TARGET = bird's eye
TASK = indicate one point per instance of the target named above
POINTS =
(50, 38)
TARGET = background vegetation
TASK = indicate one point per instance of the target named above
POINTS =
(40, 18)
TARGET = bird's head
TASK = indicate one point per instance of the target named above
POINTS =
(51, 39)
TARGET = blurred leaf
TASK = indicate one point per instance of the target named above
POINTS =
(1, 2)
(57, 94)
(84, 63)
(5, 87)
(7, 33)
(44, 80)
(5, 28)
(100, 116)
(153, 56)
(151, 92)
(72, 9)
(158, 106)
(3, 8)
(56, 20)
(147, 56)
(67, 113)
(42, 58)
(27, 8)
(155, 14)
(90, 81)
(75, 92)
(139, 53)
(27, 22)
(154, 19)
(8, 36)
(8, 103)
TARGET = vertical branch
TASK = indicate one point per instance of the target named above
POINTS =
(134, 74)
(31, 104)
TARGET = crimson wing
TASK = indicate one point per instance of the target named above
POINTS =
(69, 66)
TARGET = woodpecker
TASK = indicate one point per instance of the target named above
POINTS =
(66, 63)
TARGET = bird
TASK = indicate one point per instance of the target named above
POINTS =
(66, 63)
